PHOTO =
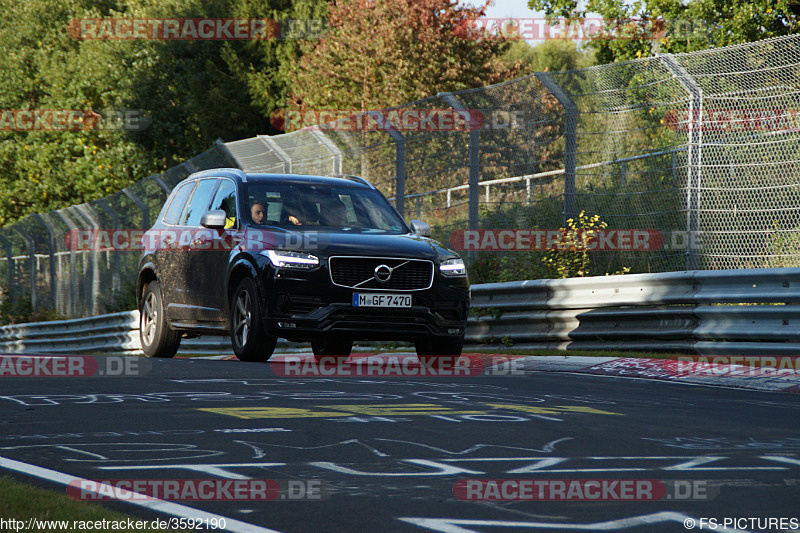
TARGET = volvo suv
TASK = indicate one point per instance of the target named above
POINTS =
(325, 260)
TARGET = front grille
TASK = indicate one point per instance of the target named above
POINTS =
(359, 273)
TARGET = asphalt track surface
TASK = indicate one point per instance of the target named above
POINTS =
(396, 453)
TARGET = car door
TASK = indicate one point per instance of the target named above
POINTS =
(209, 272)
(190, 259)
(163, 240)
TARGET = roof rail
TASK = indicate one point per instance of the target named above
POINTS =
(238, 171)
(352, 177)
(233, 170)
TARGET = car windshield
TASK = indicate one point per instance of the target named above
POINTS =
(321, 206)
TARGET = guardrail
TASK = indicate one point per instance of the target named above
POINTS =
(732, 312)
(112, 333)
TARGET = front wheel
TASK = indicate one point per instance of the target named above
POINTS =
(440, 349)
(338, 347)
(155, 335)
(250, 342)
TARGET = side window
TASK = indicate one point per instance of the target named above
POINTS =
(225, 199)
(178, 203)
(199, 202)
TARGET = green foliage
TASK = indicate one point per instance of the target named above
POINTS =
(638, 29)
(492, 267)
(782, 250)
(122, 299)
(18, 310)
(187, 93)
(571, 256)
(382, 54)
(574, 255)
(553, 55)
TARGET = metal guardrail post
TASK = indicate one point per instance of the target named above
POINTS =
(32, 262)
(693, 157)
(570, 140)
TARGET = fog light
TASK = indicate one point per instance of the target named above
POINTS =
(454, 331)
(287, 325)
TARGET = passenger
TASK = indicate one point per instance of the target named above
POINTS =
(258, 212)
(292, 209)
(333, 213)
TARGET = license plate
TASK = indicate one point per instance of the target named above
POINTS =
(374, 299)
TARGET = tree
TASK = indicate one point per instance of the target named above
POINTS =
(637, 29)
(382, 53)
(192, 93)
(553, 55)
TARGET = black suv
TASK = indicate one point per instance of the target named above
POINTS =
(306, 258)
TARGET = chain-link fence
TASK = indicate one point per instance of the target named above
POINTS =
(692, 160)
(41, 268)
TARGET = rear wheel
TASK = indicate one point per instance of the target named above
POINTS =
(155, 335)
(338, 347)
(250, 342)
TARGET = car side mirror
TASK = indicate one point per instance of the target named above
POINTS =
(214, 219)
(420, 228)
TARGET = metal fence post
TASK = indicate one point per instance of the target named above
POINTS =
(693, 157)
(84, 212)
(336, 154)
(399, 167)
(570, 140)
(115, 270)
(141, 205)
(474, 162)
(73, 275)
(161, 183)
(286, 161)
(51, 249)
(220, 144)
(10, 272)
(32, 262)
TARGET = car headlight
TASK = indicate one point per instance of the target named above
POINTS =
(285, 259)
(453, 267)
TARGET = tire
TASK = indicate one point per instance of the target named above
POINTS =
(440, 349)
(338, 347)
(158, 339)
(249, 340)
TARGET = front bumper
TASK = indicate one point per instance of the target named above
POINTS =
(306, 305)
(404, 324)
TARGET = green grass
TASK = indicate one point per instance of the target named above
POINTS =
(21, 501)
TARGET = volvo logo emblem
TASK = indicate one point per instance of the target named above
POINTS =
(382, 273)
